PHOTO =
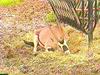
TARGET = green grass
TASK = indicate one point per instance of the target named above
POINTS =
(50, 17)
(9, 2)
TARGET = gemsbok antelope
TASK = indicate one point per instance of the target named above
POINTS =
(50, 38)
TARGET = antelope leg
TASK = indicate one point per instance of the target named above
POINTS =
(36, 41)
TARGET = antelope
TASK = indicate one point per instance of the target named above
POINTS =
(50, 38)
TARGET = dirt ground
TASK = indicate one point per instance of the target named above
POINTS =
(17, 58)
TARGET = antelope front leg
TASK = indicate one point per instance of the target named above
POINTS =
(36, 41)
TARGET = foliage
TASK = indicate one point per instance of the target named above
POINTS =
(9, 2)
(50, 17)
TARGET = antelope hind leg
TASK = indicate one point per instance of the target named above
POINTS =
(36, 41)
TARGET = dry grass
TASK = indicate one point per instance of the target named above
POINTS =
(20, 57)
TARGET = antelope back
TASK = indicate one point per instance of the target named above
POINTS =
(49, 36)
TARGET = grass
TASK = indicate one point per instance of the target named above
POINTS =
(19, 58)
(9, 2)
(22, 57)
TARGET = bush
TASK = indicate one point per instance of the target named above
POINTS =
(9, 2)
(50, 17)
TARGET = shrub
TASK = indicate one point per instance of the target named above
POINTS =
(50, 17)
(9, 2)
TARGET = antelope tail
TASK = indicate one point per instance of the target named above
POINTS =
(29, 43)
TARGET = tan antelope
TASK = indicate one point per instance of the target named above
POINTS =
(51, 37)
